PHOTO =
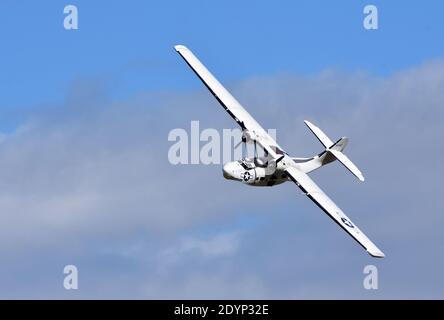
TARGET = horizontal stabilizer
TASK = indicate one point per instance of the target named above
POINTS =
(335, 149)
(342, 158)
(322, 137)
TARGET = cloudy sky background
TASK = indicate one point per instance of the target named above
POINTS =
(84, 121)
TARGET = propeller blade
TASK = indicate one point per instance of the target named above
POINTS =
(280, 158)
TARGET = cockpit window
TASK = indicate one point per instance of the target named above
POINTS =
(246, 164)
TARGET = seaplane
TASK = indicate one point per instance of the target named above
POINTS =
(276, 166)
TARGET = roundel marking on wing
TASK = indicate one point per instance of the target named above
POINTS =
(347, 223)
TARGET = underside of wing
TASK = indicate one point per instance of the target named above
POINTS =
(310, 189)
(230, 104)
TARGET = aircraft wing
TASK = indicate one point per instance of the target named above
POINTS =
(311, 190)
(230, 104)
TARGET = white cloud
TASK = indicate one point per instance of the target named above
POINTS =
(225, 244)
(95, 171)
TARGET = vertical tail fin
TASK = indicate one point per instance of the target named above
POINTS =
(335, 149)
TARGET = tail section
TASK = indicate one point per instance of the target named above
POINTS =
(322, 137)
(335, 149)
(339, 145)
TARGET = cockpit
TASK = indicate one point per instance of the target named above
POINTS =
(248, 163)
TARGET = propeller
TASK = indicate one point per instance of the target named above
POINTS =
(247, 137)
(240, 142)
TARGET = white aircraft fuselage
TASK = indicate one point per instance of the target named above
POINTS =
(254, 172)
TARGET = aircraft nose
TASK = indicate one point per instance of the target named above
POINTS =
(228, 170)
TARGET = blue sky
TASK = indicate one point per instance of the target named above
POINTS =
(130, 44)
(84, 119)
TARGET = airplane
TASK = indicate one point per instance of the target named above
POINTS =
(276, 166)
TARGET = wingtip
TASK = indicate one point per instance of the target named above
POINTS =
(310, 125)
(180, 47)
(377, 254)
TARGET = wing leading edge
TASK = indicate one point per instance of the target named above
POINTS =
(229, 103)
(304, 182)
